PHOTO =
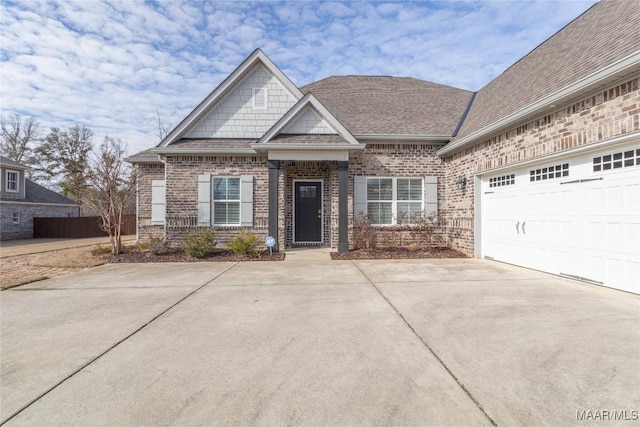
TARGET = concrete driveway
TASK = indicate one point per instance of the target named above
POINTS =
(440, 342)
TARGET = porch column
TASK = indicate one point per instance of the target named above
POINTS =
(343, 211)
(273, 201)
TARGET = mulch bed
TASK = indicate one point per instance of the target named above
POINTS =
(135, 255)
(398, 253)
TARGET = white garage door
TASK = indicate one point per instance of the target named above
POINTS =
(578, 217)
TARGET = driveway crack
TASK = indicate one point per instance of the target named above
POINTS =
(427, 346)
(91, 361)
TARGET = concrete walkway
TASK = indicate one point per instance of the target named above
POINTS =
(10, 248)
(407, 342)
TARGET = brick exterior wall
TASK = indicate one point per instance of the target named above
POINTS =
(378, 159)
(182, 192)
(393, 160)
(606, 114)
(24, 230)
(147, 173)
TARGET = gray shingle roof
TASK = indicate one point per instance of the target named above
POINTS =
(607, 32)
(5, 161)
(391, 105)
(35, 193)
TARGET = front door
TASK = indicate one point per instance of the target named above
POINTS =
(307, 212)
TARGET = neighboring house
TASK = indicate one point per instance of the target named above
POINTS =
(21, 200)
(540, 168)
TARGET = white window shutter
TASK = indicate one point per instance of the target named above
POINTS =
(246, 201)
(431, 195)
(204, 200)
(359, 197)
(158, 201)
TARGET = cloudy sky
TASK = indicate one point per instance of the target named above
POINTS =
(112, 65)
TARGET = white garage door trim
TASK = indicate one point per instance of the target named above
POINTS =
(570, 225)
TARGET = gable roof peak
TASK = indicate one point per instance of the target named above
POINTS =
(257, 56)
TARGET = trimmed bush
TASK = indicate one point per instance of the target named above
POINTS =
(199, 243)
(157, 245)
(245, 243)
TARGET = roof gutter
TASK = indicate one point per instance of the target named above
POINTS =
(591, 82)
(402, 137)
(140, 159)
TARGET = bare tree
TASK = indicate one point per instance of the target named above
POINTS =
(162, 129)
(109, 186)
(16, 137)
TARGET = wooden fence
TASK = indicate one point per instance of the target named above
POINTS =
(76, 227)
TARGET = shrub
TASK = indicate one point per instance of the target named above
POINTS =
(100, 250)
(199, 243)
(364, 233)
(157, 245)
(245, 243)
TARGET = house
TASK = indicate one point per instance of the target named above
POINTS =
(21, 200)
(539, 168)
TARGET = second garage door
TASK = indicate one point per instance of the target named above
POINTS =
(578, 217)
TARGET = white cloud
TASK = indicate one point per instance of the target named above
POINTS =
(112, 65)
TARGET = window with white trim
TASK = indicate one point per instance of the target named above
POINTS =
(12, 182)
(550, 172)
(226, 201)
(394, 201)
(619, 160)
(501, 181)
(16, 217)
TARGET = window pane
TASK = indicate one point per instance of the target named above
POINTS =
(219, 188)
(219, 213)
(233, 213)
(403, 189)
(233, 188)
(373, 189)
(415, 189)
(373, 210)
(386, 189)
(408, 212)
(380, 213)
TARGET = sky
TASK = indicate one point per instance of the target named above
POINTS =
(115, 65)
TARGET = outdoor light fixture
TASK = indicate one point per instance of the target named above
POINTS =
(461, 183)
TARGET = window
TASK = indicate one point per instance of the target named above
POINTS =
(617, 160)
(16, 217)
(226, 201)
(12, 181)
(259, 98)
(500, 181)
(392, 201)
(550, 172)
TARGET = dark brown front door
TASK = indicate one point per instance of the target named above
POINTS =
(308, 212)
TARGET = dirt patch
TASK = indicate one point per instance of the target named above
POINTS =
(136, 255)
(398, 253)
(22, 269)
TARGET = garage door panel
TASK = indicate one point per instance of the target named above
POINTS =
(585, 224)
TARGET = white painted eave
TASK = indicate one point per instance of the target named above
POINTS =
(604, 77)
(140, 159)
(307, 147)
(207, 150)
